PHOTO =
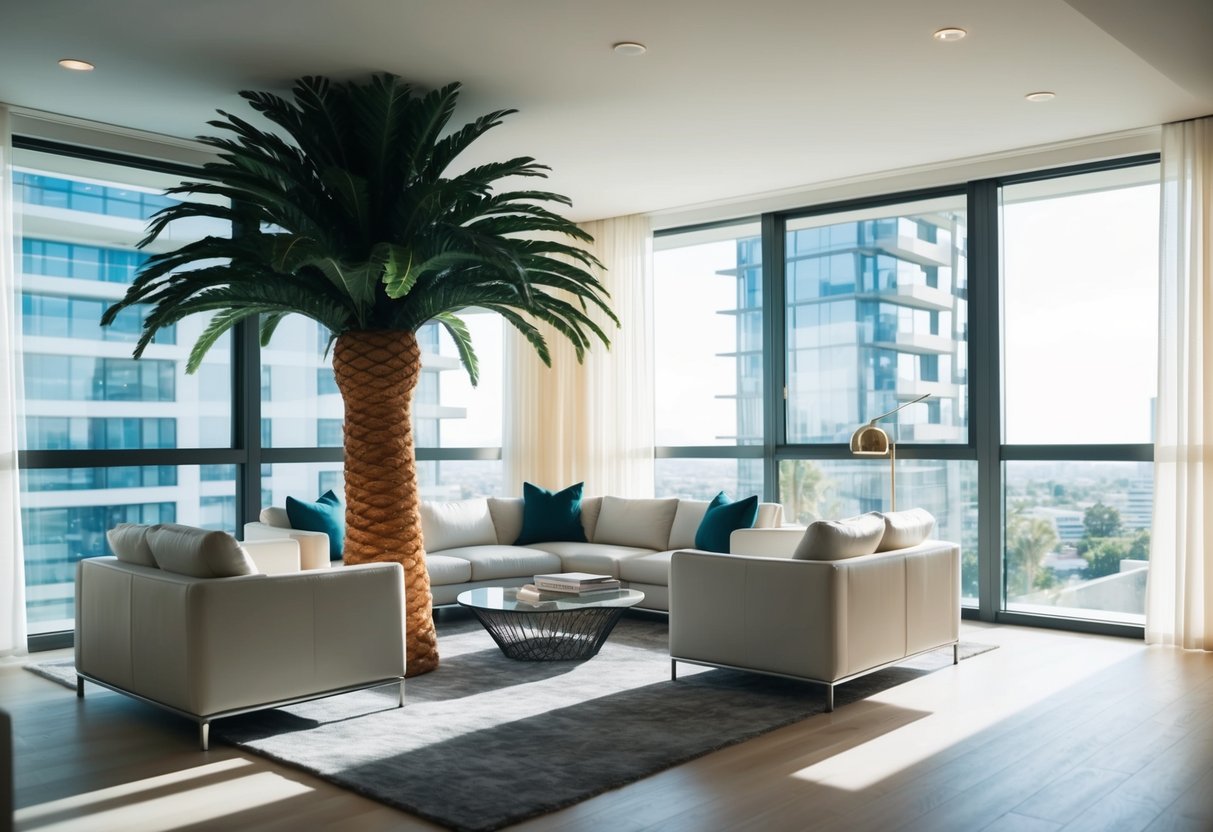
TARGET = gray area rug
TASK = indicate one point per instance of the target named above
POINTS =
(485, 741)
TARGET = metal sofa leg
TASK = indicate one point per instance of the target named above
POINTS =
(829, 698)
(401, 705)
(956, 652)
(79, 687)
(673, 670)
(204, 734)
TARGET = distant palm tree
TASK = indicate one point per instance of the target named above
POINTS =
(1029, 539)
(353, 223)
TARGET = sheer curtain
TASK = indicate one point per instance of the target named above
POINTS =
(591, 422)
(12, 563)
(1179, 605)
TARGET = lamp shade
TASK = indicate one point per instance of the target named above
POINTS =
(869, 440)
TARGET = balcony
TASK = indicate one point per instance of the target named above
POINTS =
(909, 247)
(913, 388)
(916, 296)
(916, 343)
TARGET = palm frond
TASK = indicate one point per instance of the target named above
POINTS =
(345, 214)
(459, 333)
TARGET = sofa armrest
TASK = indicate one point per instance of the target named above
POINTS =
(772, 614)
(273, 557)
(313, 546)
(779, 541)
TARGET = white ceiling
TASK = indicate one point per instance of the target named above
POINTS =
(732, 98)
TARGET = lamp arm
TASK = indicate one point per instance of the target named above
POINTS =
(899, 407)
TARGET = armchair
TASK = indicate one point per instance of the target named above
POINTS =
(211, 647)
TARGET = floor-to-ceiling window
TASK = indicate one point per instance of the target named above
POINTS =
(708, 368)
(1079, 278)
(108, 439)
(875, 309)
(1037, 462)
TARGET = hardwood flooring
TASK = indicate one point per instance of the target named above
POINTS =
(1050, 732)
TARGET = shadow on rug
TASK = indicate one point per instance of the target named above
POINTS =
(485, 741)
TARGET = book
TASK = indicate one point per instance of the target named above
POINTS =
(531, 594)
(589, 589)
(575, 581)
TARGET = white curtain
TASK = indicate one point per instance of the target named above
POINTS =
(591, 422)
(1179, 606)
(12, 559)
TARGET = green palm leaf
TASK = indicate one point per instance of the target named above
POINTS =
(344, 213)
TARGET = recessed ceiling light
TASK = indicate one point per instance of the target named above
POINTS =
(1040, 96)
(628, 47)
(76, 64)
(950, 33)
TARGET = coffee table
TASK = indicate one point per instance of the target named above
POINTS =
(564, 629)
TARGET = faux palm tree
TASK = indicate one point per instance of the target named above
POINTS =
(348, 217)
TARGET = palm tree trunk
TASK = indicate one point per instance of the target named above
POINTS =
(376, 372)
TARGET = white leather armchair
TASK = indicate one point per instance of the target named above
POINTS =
(207, 648)
(823, 621)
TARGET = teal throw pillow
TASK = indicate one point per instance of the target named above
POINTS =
(723, 518)
(548, 517)
(326, 515)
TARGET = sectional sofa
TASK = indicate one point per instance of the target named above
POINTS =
(470, 543)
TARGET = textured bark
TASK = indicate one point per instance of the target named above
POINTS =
(377, 372)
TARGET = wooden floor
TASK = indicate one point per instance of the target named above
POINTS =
(1049, 732)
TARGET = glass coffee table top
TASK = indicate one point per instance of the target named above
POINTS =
(560, 629)
(506, 599)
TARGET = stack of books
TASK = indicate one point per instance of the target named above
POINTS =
(565, 585)
(576, 583)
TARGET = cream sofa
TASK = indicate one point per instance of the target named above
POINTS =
(469, 543)
(826, 621)
(210, 647)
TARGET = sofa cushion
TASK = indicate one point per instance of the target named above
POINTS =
(591, 508)
(686, 522)
(722, 519)
(128, 542)
(550, 515)
(275, 516)
(839, 539)
(507, 518)
(598, 558)
(199, 553)
(647, 569)
(495, 562)
(326, 514)
(644, 524)
(445, 570)
(903, 529)
(456, 523)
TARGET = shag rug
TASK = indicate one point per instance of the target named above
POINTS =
(485, 741)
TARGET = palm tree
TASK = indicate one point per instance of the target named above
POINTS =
(353, 223)
(1029, 539)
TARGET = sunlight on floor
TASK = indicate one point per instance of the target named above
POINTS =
(972, 707)
(164, 802)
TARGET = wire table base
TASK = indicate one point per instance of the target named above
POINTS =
(550, 636)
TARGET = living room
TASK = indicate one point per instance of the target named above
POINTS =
(975, 247)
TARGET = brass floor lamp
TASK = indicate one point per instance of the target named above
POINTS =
(870, 440)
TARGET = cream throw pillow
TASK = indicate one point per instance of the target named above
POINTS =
(840, 539)
(686, 522)
(457, 523)
(644, 524)
(200, 553)
(903, 529)
(128, 542)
